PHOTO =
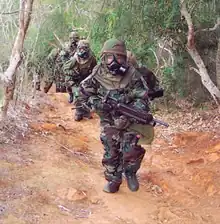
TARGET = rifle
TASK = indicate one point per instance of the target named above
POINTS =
(131, 112)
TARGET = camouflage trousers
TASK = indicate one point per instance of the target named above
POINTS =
(122, 152)
(71, 84)
(58, 79)
(72, 87)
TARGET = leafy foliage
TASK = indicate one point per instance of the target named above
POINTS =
(141, 23)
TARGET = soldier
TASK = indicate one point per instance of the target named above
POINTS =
(73, 42)
(77, 69)
(114, 76)
(55, 62)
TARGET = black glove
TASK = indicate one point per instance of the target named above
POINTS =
(149, 118)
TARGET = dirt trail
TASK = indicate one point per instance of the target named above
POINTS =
(55, 176)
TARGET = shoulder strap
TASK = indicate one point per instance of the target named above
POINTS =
(149, 77)
(140, 75)
(94, 72)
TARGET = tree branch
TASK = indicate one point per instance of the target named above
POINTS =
(58, 39)
(191, 48)
(9, 13)
(9, 76)
(187, 16)
(155, 55)
(218, 64)
(214, 28)
(169, 51)
(28, 12)
(195, 70)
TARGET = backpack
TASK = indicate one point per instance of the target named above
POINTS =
(151, 81)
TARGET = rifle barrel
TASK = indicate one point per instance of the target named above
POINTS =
(161, 122)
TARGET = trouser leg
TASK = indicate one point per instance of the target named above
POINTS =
(112, 158)
(133, 155)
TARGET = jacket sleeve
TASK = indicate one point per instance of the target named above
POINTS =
(94, 63)
(88, 90)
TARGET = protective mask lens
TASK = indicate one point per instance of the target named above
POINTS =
(109, 58)
(115, 64)
(73, 44)
(120, 59)
(82, 52)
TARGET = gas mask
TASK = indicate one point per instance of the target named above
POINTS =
(83, 52)
(73, 44)
(115, 67)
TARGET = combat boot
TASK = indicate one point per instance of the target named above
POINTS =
(63, 89)
(111, 187)
(57, 89)
(132, 181)
(70, 98)
(47, 86)
(46, 89)
(78, 117)
(87, 115)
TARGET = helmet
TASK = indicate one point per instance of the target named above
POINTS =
(131, 59)
(114, 46)
(74, 36)
(83, 43)
(114, 55)
(83, 49)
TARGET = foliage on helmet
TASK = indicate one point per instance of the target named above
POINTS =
(83, 49)
(83, 44)
(74, 36)
(114, 46)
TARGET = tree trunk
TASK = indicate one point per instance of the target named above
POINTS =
(218, 65)
(9, 75)
(202, 71)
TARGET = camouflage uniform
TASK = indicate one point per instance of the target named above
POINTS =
(55, 62)
(53, 72)
(120, 141)
(77, 69)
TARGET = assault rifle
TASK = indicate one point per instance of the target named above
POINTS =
(131, 112)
